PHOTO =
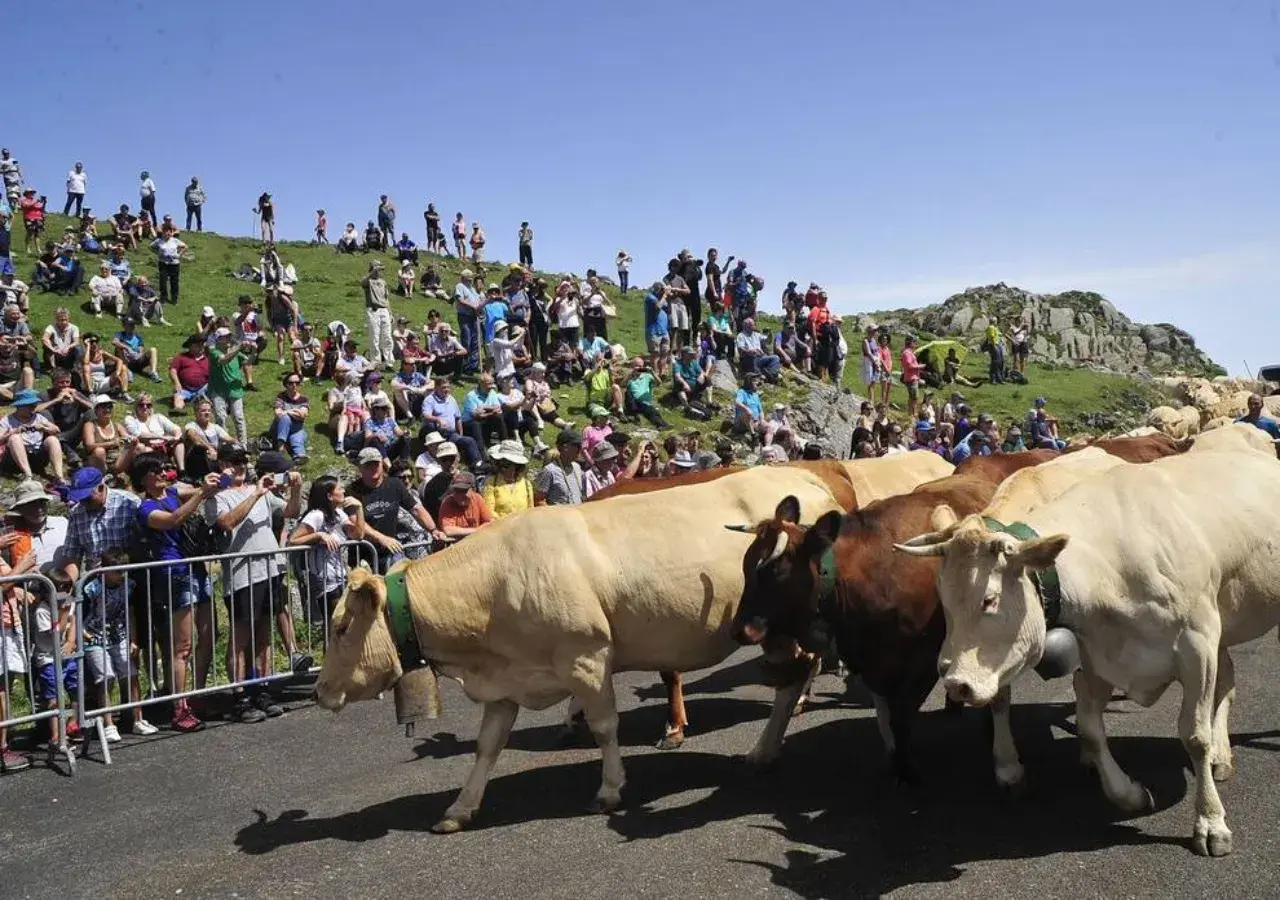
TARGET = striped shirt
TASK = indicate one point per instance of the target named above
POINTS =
(91, 530)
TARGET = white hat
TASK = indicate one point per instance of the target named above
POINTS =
(100, 399)
(432, 439)
(207, 312)
(448, 448)
(539, 367)
(683, 460)
(511, 451)
(500, 326)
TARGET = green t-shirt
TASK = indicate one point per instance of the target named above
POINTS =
(226, 378)
(641, 387)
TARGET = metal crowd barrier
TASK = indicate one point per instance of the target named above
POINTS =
(22, 637)
(291, 602)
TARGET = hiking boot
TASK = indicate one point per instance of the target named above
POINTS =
(262, 701)
(244, 711)
(13, 762)
(185, 721)
(301, 663)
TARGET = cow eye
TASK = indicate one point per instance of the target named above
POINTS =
(341, 630)
(990, 603)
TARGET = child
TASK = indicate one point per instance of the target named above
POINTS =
(110, 642)
(322, 228)
(353, 408)
(63, 630)
(13, 662)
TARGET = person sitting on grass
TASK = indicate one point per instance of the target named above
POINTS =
(189, 372)
(144, 305)
(105, 292)
(409, 387)
(106, 445)
(153, 433)
(349, 242)
(137, 357)
(381, 431)
(482, 413)
(601, 386)
(415, 354)
(691, 383)
(638, 398)
(203, 437)
(31, 438)
(463, 512)
(347, 406)
(308, 354)
(748, 410)
(290, 426)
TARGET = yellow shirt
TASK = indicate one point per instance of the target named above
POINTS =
(993, 336)
(505, 499)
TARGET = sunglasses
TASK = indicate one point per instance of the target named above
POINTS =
(144, 406)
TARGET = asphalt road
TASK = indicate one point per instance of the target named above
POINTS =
(314, 805)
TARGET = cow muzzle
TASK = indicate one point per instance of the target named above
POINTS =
(970, 691)
(750, 632)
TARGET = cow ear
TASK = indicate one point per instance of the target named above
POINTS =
(1038, 554)
(944, 519)
(822, 534)
(788, 510)
(365, 592)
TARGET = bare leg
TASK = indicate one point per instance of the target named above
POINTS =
(676, 718)
(815, 668)
(1092, 694)
(54, 449)
(495, 728)
(1197, 661)
(19, 453)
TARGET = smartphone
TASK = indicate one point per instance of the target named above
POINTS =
(225, 481)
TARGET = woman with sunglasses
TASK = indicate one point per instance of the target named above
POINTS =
(154, 433)
(102, 372)
(292, 409)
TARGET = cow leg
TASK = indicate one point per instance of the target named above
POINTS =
(1224, 692)
(495, 728)
(1092, 695)
(593, 685)
(883, 722)
(770, 743)
(814, 670)
(676, 718)
(1197, 659)
(1009, 771)
(572, 727)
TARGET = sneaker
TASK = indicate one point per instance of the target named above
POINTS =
(185, 721)
(246, 712)
(539, 446)
(126, 398)
(154, 377)
(262, 701)
(13, 762)
(111, 734)
(251, 387)
(144, 728)
(164, 321)
(301, 663)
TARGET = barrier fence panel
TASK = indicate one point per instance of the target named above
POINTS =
(276, 604)
(31, 655)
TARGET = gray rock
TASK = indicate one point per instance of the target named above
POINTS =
(826, 417)
(1061, 318)
(723, 379)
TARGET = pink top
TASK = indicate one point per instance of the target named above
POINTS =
(886, 358)
(911, 367)
(592, 436)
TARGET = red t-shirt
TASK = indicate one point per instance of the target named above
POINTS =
(911, 367)
(819, 316)
(193, 373)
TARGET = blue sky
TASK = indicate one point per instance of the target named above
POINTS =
(895, 152)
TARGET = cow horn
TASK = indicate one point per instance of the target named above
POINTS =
(744, 529)
(912, 549)
(779, 548)
(928, 539)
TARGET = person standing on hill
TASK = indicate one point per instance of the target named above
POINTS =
(691, 272)
(387, 220)
(169, 252)
(226, 382)
(467, 303)
(266, 210)
(460, 236)
(435, 240)
(147, 193)
(526, 245)
(194, 196)
(77, 181)
(377, 309)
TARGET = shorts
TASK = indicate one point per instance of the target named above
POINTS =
(1021, 351)
(13, 651)
(109, 662)
(281, 323)
(320, 603)
(678, 315)
(913, 390)
(138, 364)
(101, 384)
(658, 343)
(188, 396)
(34, 228)
(47, 681)
(257, 601)
(169, 589)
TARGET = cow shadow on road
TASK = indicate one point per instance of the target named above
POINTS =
(853, 831)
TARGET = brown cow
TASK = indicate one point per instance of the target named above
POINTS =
(999, 466)
(845, 479)
(840, 580)
(1144, 449)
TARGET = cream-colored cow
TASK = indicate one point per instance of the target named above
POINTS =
(550, 603)
(1161, 568)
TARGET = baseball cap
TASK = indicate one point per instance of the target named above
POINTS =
(446, 448)
(84, 482)
(569, 437)
(102, 400)
(462, 481)
(207, 312)
(369, 455)
(273, 462)
(596, 411)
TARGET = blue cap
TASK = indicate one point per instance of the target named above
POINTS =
(83, 483)
(924, 425)
(26, 397)
(1040, 401)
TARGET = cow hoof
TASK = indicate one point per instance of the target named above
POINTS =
(448, 825)
(605, 803)
(1012, 781)
(1136, 800)
(672, 741)
(1211, 841)
(754, 765)
(1222, 771)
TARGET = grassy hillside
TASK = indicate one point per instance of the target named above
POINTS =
(329, 288)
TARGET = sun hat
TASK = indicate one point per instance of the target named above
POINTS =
(221, 333)
(539, 367)
(683, 460)
(447, 448)
(511, 451)
(432, 439)
(499, 326)
(273, 462)
(26, 397)
(596, 411)
(466, 273)
(369, 455)
(380, 403)
(84, 482)
(604, 451)
(462, 481)
(28, 491)
(102, 400)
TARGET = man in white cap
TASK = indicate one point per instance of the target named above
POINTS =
(377, 308)
(467, 303)
(383, 496)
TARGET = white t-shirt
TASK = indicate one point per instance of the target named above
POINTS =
(170, 250)
(62, 340)
(34, 438)
(105, 287)
(215, 434)
(10, 293)
(427, 465)
(156, 426)
(504, 356)
(147, 188)
(567, 314)
(321, 558)
(76, 182)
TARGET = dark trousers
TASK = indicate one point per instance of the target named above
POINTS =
(526, 254)
(518, 424)
(486, 431)
(169, 282)
(693, 303)
(451, 366)
(149, 206)
(469, 337)
(538, 329)
(469, 449)
(634, 407)
(198, 213)
(77, 199)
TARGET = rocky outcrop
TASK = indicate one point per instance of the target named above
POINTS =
(1077, 328)
(826, 416)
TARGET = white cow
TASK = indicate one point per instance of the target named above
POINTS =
(1161, 568)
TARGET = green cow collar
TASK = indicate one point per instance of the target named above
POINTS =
(400, 621)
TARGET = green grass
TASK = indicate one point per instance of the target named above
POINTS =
(329, 288)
